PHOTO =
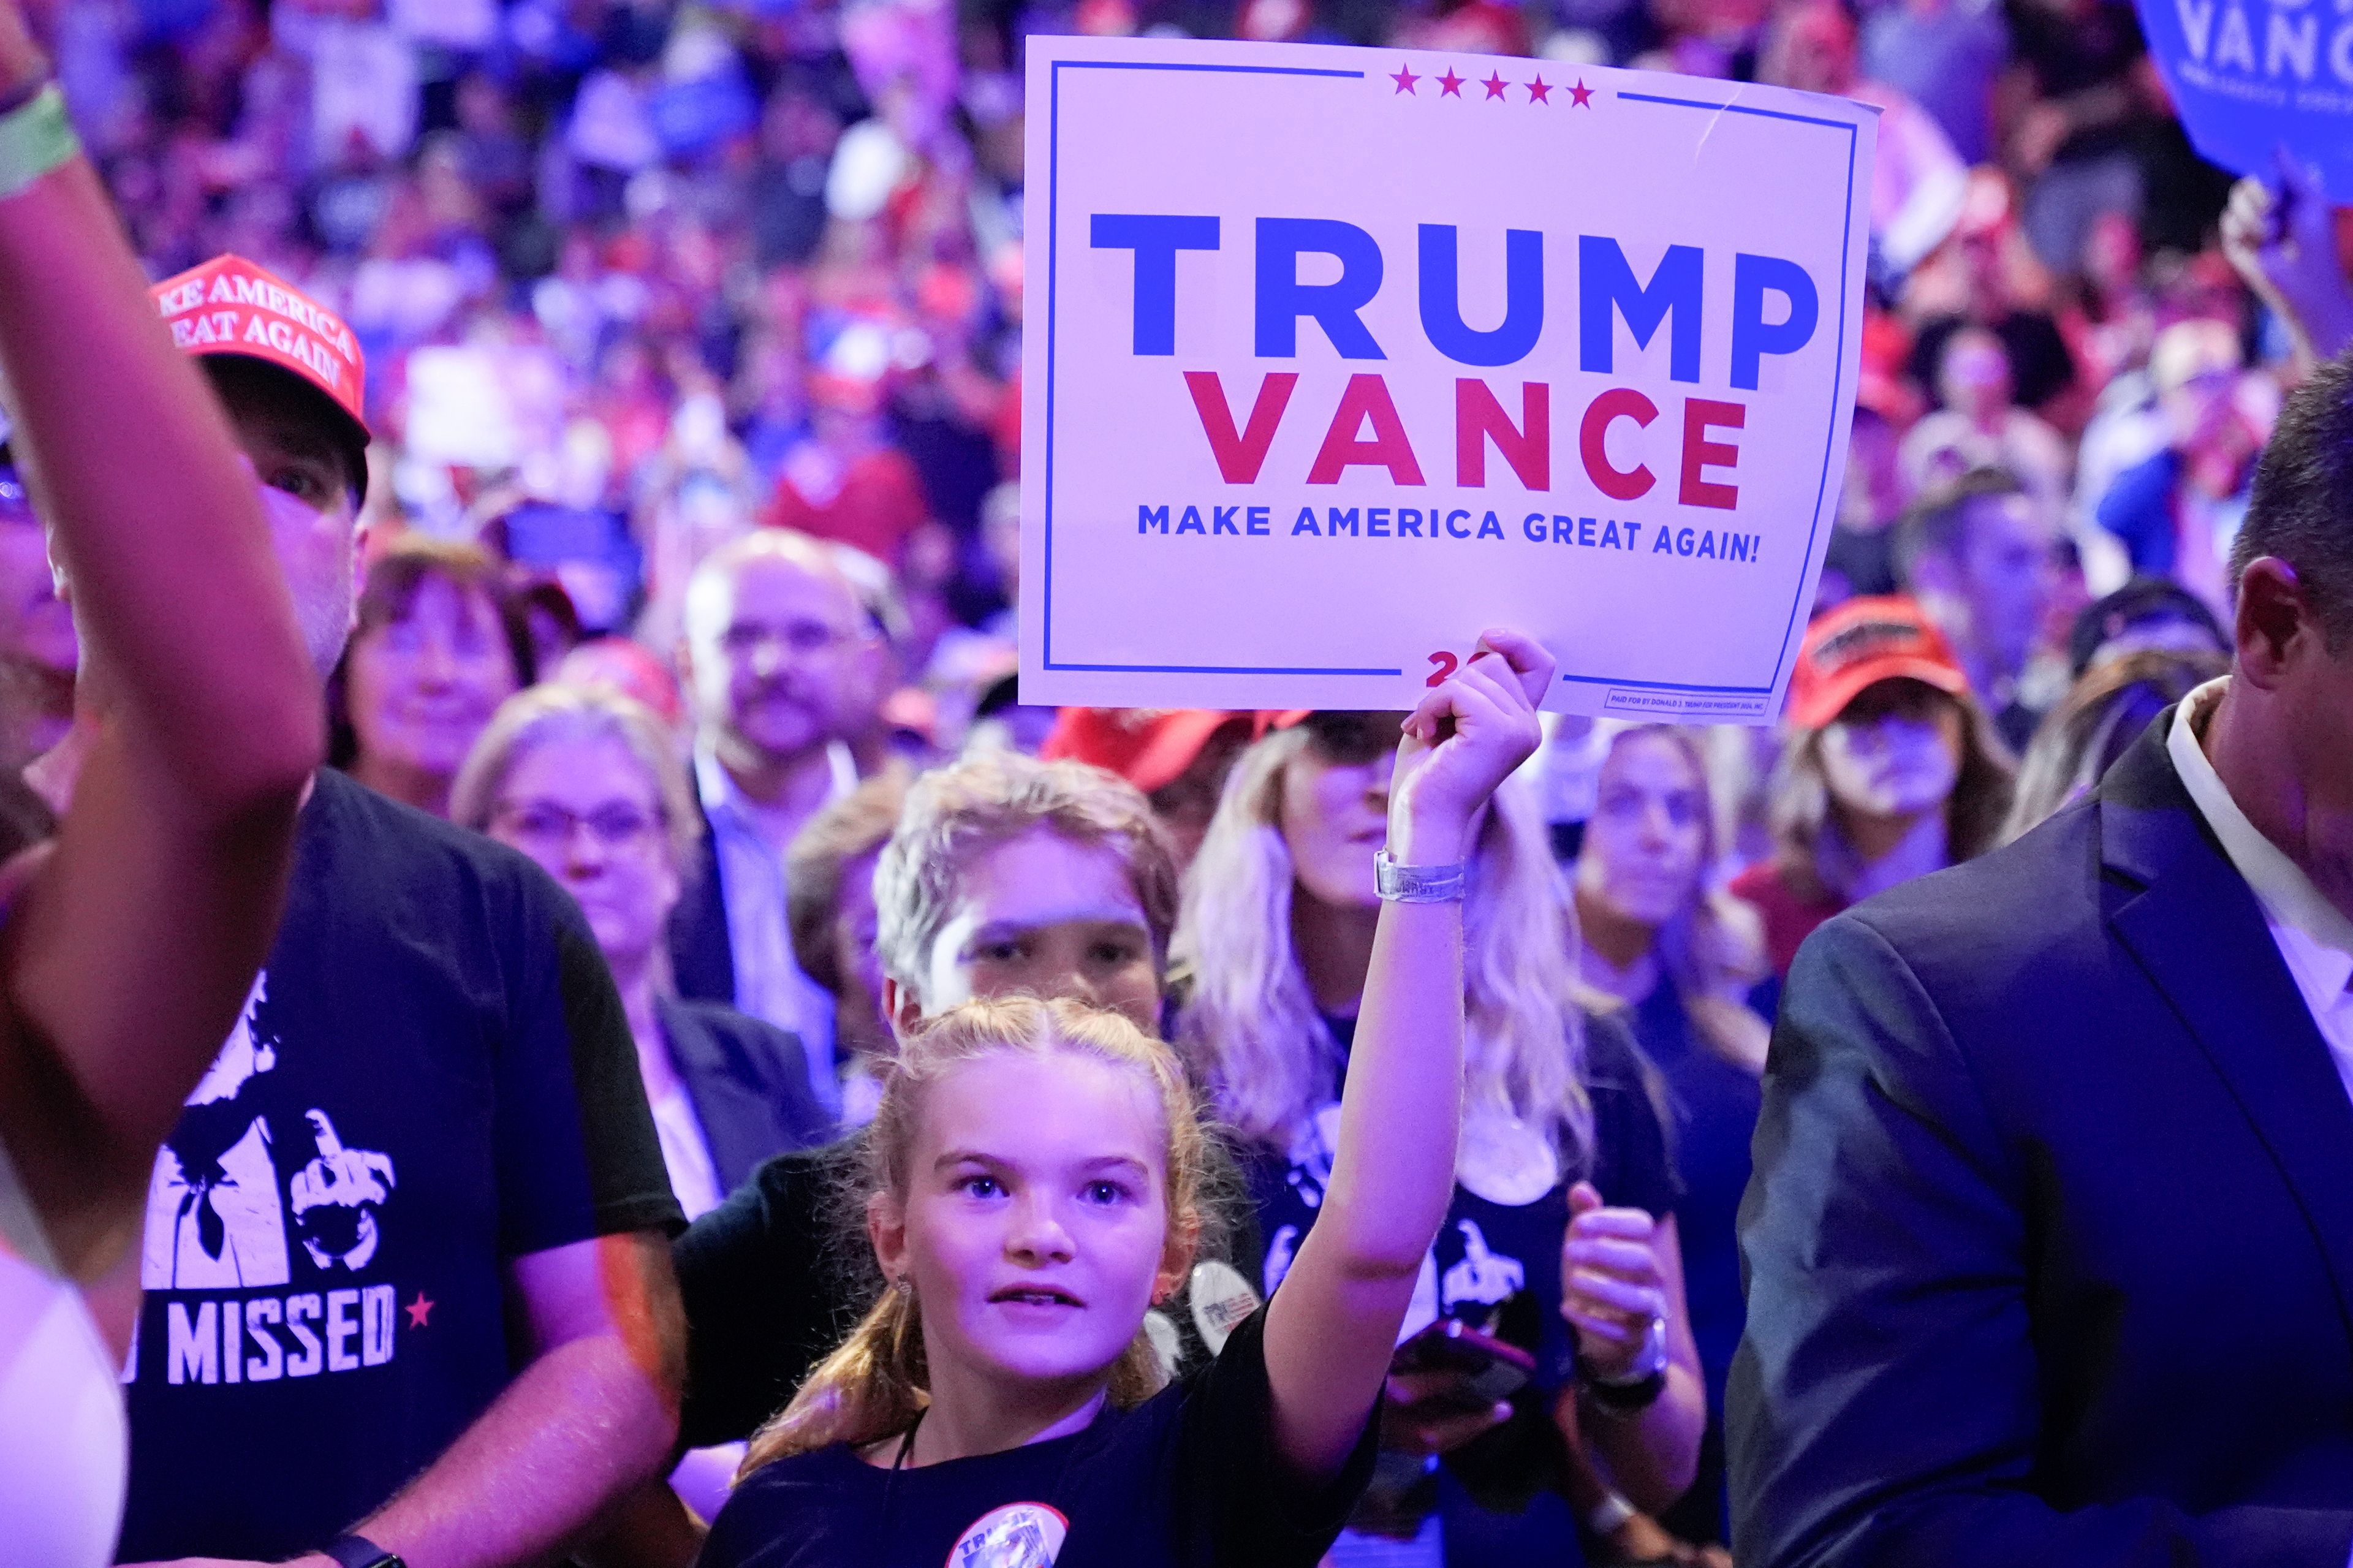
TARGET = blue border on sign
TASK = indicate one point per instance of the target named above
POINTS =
(1053, 228)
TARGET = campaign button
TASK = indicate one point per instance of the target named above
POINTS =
(1019, 1535)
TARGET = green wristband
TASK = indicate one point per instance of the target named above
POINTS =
(36, 139)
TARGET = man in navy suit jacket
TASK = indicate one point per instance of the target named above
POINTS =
(2049, 1243)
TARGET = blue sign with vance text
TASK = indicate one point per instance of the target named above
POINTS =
(2250, 77)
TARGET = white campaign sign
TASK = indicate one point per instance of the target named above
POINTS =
(1336, 357)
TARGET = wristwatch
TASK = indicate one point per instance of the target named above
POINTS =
(1643, 1383)
(351, 1551)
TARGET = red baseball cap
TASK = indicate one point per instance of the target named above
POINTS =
(1148, 747)
(229, 306)
(1861, 643)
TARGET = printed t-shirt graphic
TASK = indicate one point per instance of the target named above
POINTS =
(431, 1077)
(219, 1215)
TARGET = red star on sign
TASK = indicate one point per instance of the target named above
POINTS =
(419, 1310)
(1539, 91)
(1495, 84)
(1405, 78)
(1449, 85)
(1581, 95)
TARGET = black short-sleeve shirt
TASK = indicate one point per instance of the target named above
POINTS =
(433, 1076)
(774, 1277)
(771, 1282)
(1188, 1477)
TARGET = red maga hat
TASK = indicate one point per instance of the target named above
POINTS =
(229, 306)
(1148, 747)
(1861, 643)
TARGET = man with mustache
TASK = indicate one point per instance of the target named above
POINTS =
(780, 653)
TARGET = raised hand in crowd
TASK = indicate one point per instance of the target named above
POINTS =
(1463, 740)
(131, 940)
(2281, 238)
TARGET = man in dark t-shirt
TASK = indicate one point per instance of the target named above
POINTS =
(406, 1282)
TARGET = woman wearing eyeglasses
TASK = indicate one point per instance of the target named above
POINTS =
(586, 781)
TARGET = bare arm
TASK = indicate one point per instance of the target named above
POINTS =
(591, 1415)
(1332, 1328)
(177, 845)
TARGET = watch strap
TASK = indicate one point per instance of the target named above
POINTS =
(351, 1551)
(1627, 1398)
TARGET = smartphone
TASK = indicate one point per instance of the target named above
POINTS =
(1487, 1370)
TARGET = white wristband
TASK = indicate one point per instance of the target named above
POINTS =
(1609, 1515)
(1418, 884)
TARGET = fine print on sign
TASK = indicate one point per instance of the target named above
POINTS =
(1337, 356)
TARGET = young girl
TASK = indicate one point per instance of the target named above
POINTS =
(1036, 1170)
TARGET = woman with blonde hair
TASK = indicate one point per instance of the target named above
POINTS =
(1032, 1190)
(1273, 942)
(1663, 937)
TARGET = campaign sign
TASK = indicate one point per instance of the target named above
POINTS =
(1336, 357)
(2251, 77)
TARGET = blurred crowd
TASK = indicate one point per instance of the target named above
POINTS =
(693, 341)
(631, 279)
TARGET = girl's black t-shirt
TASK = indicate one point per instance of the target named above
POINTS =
(1187, 1480)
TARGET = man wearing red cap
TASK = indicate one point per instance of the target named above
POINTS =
(426, 1132)
(2049, 1246)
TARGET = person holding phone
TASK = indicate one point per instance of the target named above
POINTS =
(1034, 1187)
(1559, 1237)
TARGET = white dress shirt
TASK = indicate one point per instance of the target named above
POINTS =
(2313, 935)
(769, 982)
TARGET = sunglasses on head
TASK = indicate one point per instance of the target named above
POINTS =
(1353, 739)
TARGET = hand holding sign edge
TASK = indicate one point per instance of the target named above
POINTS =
(1461, 742)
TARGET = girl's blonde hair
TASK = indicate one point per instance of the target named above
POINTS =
(1252, 1030)
(1713, 950)
(876, 1383)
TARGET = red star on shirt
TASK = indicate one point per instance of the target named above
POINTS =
(1580, 96)
(1495, 84)
(1405, 78)
(1449, 85)
(1539, 91)
(419, 1310)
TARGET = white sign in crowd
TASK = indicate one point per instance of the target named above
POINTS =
(1335, 356)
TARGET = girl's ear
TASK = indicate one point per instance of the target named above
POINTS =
(886, 1228)
(1176, 1259)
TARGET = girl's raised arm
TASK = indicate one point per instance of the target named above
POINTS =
(1332, 1328)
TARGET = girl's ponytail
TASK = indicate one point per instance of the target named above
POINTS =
(870, 1387)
